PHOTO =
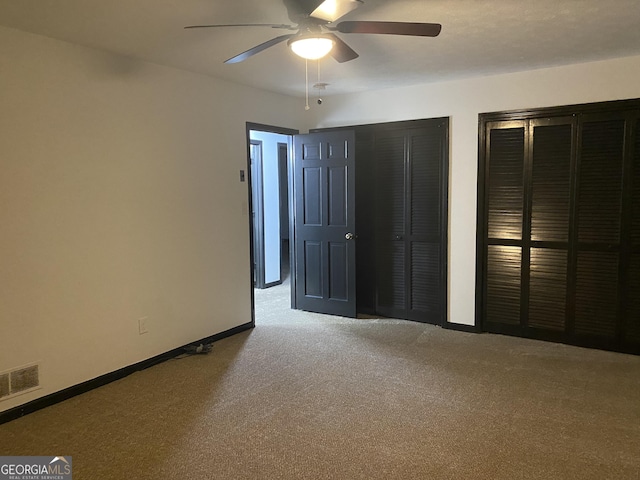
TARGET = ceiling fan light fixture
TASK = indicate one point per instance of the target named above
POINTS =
(311, 47)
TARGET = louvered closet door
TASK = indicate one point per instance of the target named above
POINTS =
(528, 225)
(631, 249)
(547, 229)
(409, 223)
(598, 227)
(390, 189)
(505, 206)
(424, 225)
(562, 229)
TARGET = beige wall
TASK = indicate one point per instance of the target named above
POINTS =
(463, 101)
(119, 199)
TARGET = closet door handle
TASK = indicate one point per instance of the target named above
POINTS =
(350, 236)
(398, 237)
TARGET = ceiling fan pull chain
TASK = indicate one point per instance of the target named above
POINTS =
(306, 82)
(318, 83)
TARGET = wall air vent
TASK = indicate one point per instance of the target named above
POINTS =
(4, 385)
(20, 380)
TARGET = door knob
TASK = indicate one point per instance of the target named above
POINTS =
(350, 236)
(398, 237)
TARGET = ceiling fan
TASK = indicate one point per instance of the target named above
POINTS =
(314, 27)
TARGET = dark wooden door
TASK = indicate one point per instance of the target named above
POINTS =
(324, 243)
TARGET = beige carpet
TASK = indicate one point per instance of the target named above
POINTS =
(307, 396)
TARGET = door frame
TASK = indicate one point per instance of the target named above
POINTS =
(283, 131)
(284, 209)
(256, 211)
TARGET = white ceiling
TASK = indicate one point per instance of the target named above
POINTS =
(479, 37)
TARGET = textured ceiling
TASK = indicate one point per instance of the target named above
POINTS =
(479, 37)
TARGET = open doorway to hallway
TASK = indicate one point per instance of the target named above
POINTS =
(320, 220)
(270, 150)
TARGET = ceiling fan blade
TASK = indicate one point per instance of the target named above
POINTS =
(258, 48)
(341, 51)
(298, 10)
(332, 10)
(272, 25)
(302, 7)
(390, 28)
(327, 10)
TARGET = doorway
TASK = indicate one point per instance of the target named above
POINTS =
(269, 160)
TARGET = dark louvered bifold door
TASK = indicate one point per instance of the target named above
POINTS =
(599, 209)
(424, 242)
(561, 229)
(505, 200)
(390, 190)
(410, 250)
(631, 277)
(549, 228)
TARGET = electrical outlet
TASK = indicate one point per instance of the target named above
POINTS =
(142, 325)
